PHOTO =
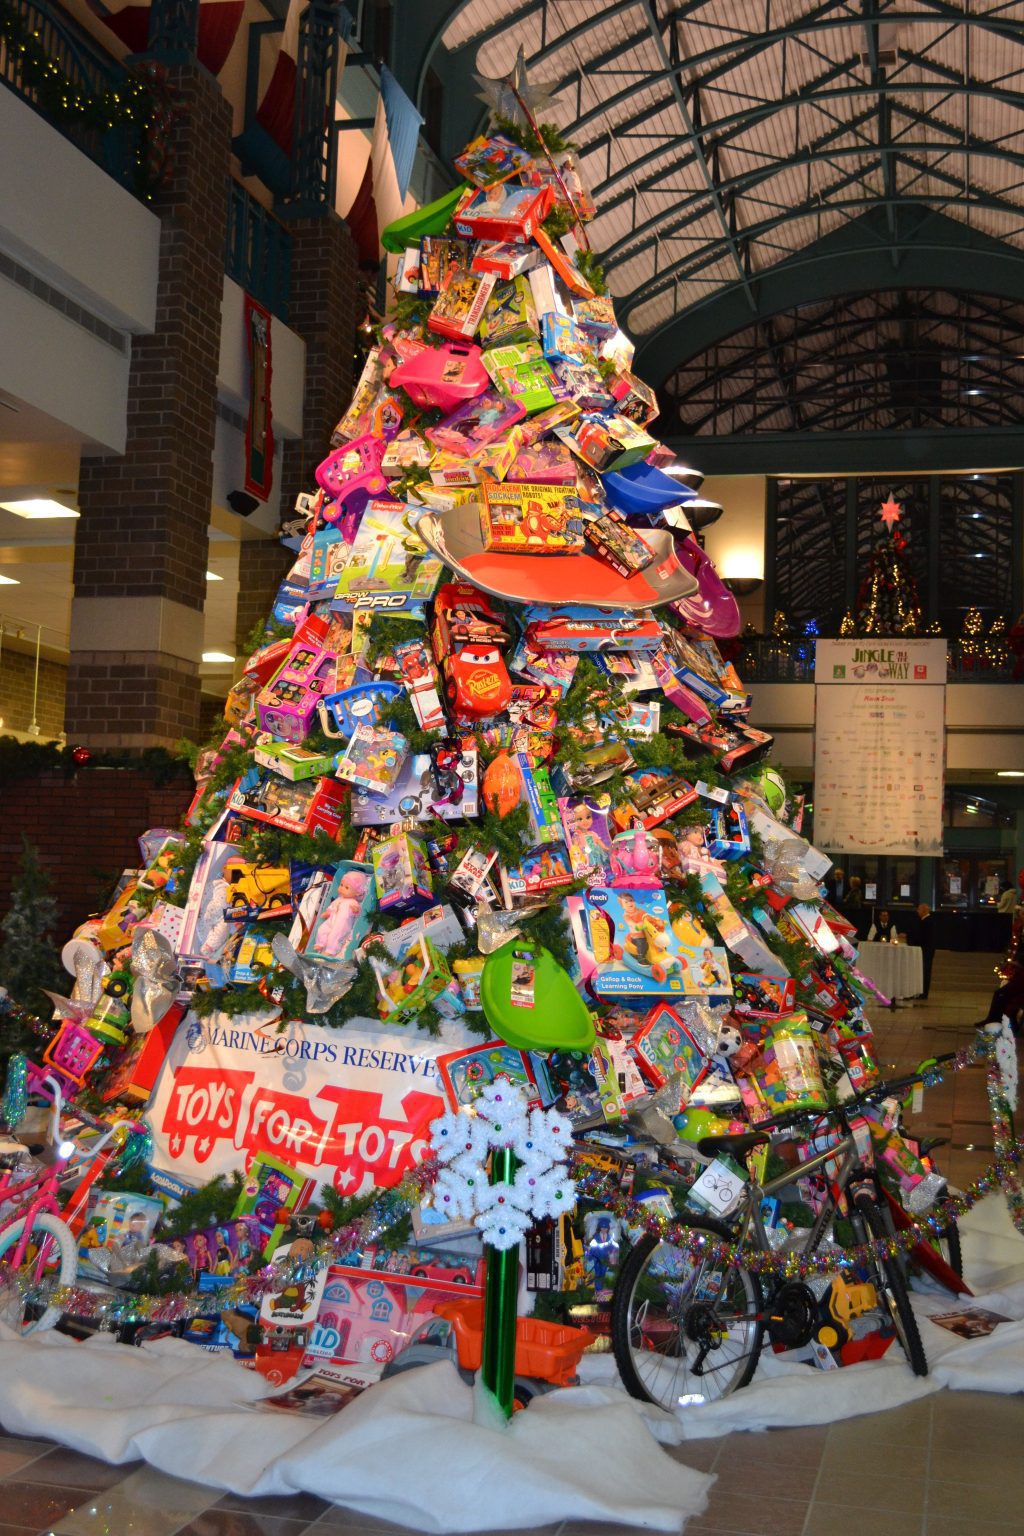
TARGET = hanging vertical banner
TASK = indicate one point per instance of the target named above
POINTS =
(879, 746)
(259, 428)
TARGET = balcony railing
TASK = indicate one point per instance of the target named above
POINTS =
(790, 659)
(259, 251)
(57, 68)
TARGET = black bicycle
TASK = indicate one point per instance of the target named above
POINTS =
(688, 1327)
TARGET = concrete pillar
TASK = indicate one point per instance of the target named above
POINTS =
(142, 539)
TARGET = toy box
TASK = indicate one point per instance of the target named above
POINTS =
(544, 869)
(415, 666)
(585, 822)
(584, 386)
(115, 1219)
(468, 974)
(314, 805)
(464, 1074)
(508, 214)
(732, 744)
(367, 1317)
(607, 442)
(545, 463)
(785, 1076)
(540, 799)
(408, 451)
(290, 761)
(401, 873)
(564, 342)
(764, 997)
(416, 795)
(634, 398)
(510, 315)
(625, 944)
(653, 795)
(577, 627)
(727, 835)
(270, 1186)
(681, 662)
(286, 706)
(208, 929)
(505, 260)
(597, 315)
(521, 373)
(461, 303)
(417, 974)
(664, 1047)
(373, 758)
(388, 569)
(473, 875)
(475, 424)
(442, 377)
(439, 257)
(328, 557)
(343, 917)
(530, 519)
(491, 159)
(620, 1085)
(254, 956)
(611, 537)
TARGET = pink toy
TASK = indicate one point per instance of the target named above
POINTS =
(351, 475)
(338, 922)
(712, 609)
(287, 705)
(444, 376)
(635, 860)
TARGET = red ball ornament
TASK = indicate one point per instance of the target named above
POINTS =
(80, 756)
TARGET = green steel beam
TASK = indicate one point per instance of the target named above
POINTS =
(915, 451)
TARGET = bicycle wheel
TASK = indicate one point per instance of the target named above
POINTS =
(947, 1243)
(51, 1255)
(892, 1291)
(685, 1330)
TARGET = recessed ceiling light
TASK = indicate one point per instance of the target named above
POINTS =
(217, 658)
(212, 576)
(9, 581)
(1010, 773)
(973, 391)
(38, 508)
(972, 810)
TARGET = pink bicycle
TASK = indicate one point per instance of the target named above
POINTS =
(36, 1244)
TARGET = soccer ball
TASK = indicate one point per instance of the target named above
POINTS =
(772, 786)
(729, 1041)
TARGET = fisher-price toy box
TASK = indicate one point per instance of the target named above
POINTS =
(625, 944)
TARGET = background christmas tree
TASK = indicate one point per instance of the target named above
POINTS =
(888, 602)
(29, 960)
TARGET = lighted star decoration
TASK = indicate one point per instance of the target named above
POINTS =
(514, 96)
(890, 512)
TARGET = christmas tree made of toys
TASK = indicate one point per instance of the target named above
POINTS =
(486, 800)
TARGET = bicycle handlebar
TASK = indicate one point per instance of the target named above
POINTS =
(866, 1096)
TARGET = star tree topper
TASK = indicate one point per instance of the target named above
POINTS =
(513, 96)
(890, 511)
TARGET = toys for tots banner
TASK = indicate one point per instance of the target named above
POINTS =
(347, 1107)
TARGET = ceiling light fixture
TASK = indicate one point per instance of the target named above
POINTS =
(1010, 773)
(212, 576)
(38, 508)
(217, 658)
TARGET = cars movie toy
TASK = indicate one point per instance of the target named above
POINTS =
(442, 377)
(419, 675)
(579, 628)
(467, 639)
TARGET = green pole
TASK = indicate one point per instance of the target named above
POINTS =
(498, 1362)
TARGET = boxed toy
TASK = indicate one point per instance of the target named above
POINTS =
(416, 796)
(473, 875)
(417, 974)
(505, 260)
(388, 568)
(511, 214)
(611, 537)
(585, 822)
(286, 706)
(540, 799)
(438, 259)
(731, 744)
(401, 872)
(491, 159)
(530, 519)
(520, 372)
(254, 956)
(653, 795)
(607, 442)
(343, 918)
(476, 423)
(115, 1219)
(634, 398)
(373, 758)
(546, 463)
(764, 997)
(461, 303)
(271, 1186)
(290, 761)
(727, 835)
(464, 1074)
(314, 805)
(468, 974)
(367, 1317)
(785, 1076)
(544, 869)
(578, 627)
(510, 315)
(664, 1047)
(625, 944)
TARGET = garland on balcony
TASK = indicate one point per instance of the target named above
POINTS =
(143, 103)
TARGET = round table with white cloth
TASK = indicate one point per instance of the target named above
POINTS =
(896, 969)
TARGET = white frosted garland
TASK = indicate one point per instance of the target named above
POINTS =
(540, 1140)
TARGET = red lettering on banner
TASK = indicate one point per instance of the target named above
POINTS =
(285, 1125)
(204, 1104)
(367, 1147)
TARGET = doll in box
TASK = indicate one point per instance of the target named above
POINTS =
(346, 904)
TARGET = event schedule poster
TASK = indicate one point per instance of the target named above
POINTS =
(879, 743)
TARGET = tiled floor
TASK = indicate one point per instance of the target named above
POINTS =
(950, 1465)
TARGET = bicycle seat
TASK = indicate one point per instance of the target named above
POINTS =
(739, 1146)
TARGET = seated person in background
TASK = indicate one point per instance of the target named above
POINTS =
(883, 929)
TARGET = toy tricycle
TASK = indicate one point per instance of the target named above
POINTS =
(546, 1355)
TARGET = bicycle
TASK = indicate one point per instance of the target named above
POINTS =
(36, 1243)
(688, 1328)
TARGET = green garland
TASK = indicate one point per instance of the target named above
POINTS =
(29, 759)
(141, 105)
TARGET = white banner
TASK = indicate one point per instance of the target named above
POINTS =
(349, 1107)
(879, 746)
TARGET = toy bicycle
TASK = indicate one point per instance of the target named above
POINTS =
(36, 1243)
(687, 1328)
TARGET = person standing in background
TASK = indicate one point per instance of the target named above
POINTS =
(926, 940)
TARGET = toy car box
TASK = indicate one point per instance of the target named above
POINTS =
(544, 869)
(314, 805)
(290, 761)
(577, 627)
(607, 442)
(732, 744)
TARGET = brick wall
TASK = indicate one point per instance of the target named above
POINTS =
(17, 670)
(86, 828)
(145, 515)
(262, 564)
